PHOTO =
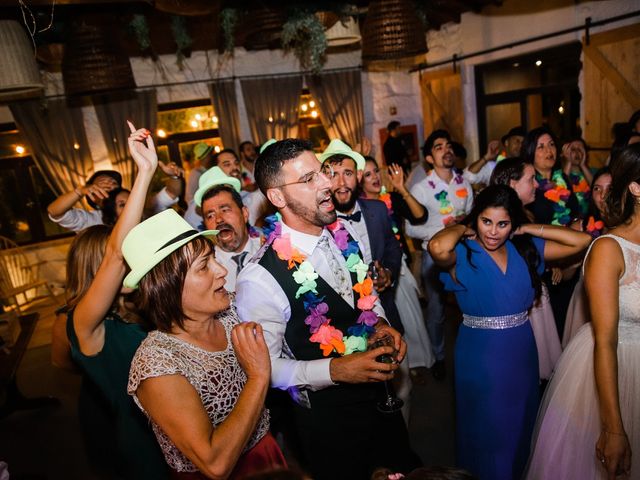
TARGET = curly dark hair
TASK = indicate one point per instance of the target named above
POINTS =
(502, 196)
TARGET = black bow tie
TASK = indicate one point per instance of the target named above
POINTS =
(354, 217)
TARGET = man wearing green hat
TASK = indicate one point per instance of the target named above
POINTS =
(218, 197)
(302, 290)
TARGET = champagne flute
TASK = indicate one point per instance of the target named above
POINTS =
(391, 403)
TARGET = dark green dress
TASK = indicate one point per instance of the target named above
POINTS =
(138, 453)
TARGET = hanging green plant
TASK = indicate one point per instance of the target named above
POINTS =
(228, 23)
(139, 27)
(181, 37)
(304, 34)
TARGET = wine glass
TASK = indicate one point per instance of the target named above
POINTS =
(391, 403)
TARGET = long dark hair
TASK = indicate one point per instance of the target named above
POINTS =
(620, 204)
(109, 216)
(502, 196)
(593, 210)
(530, 144)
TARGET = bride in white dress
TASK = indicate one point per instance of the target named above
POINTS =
(589, 421)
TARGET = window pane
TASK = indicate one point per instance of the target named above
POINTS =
(505, 78)
(501, 118)
(183, 120)
(13, 210)
(44, 196)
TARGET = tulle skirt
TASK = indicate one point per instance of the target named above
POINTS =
(568, 423)
(419, 351)
(545, 333)
(577, 313)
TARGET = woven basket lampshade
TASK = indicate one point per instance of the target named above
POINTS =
(263, 29)
(19, 75)
(93, 63)
(341, 34)
(392, 31)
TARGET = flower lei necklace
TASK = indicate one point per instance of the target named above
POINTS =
(322, 332)
(385, 197)
(595, 227)
(443, 197)
(556, 191)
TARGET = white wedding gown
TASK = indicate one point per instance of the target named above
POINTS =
(568, 423)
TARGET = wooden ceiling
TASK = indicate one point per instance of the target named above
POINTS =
(202, 18)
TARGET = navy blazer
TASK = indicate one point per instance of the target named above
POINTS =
(386, 249)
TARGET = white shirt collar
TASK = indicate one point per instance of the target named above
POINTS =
(304, 242)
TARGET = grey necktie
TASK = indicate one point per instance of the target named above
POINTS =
(339, 274)
(240, 259)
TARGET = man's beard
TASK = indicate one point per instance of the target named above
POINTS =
(349, 204)
(314, 216)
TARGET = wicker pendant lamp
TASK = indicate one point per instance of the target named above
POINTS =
(19, 75)
(93, 62)
(392, 31)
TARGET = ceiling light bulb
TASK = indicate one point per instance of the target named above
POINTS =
(194, 124)
(560, 109)
(215, 119)
(538, 63)
(314, 113)
(198, 117)
(216, 149)
(304, 107)
(312, 104)
(161, 133)
(76, 146)
(20, 149)
(270, 119)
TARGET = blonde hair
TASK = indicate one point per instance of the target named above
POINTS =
(84, 258)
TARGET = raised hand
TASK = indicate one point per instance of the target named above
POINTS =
(144, 155)
(493, 149)
(171, 169)
(396, 177)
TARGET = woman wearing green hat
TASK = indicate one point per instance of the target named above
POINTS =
(202, 376)
(104, 333)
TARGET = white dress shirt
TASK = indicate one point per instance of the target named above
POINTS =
(425, 193)
(226, 260)
(260, 298)
(483, 175)
(76, 219)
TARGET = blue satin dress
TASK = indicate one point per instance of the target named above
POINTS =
(496, 370)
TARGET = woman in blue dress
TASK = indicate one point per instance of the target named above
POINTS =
(494, 262)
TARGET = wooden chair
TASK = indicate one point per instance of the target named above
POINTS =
(18, 276)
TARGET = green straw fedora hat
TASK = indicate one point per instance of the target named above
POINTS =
(338, 147)
(201, 149)
(212, 177)
(151, 241)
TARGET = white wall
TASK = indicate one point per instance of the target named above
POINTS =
(493, 28)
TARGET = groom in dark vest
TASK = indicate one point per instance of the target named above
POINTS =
(300, 287)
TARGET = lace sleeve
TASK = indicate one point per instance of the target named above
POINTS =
(152, 359)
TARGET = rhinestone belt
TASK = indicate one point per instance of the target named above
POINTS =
(496, 323)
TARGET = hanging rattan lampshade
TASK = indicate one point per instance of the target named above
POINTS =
(263, 29)
(19, 75)
(93, 63)
(392, 31)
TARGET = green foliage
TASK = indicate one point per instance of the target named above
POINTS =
(139, 27)
(228, 23)
(304, 34)
(181, 37)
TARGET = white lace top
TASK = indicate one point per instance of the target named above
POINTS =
(629, 292)
(216, 376)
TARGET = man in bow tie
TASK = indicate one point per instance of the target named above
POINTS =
(218, 196)
(368, 219)
(341, 432)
